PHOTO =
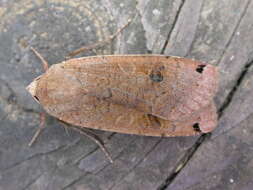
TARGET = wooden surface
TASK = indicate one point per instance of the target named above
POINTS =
(219, 32)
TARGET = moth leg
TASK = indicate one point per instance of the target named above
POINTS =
(94, 138)
(100, 43)
(41, 127)
(44, 62)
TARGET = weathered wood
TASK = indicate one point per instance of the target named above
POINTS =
(217, 32)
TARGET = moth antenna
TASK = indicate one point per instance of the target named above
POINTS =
(100, 43)
(94, 138)
(41, 127)
(44, 62)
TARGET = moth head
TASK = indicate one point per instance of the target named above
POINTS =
(31, 88)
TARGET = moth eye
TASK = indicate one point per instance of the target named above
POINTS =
(200, 68)
(36, 98)
(196, 127)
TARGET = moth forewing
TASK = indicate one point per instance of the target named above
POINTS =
(139, 94)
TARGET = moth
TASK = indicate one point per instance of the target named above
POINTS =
(151, 95)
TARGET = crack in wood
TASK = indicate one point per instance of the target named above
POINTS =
(4, 117)
(182, 163)
(231, 94)
(99, 171)
(138, 163)
(138, 13)
(74, 181)
(238, 124)
(32, 182)
(234, 31)
(194, 37)
(84, 156)
(173, 26)
(116, 158)
(32, 157)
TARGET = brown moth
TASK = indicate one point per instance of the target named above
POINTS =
(150, 95)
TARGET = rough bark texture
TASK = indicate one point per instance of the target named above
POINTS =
(218, 32)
